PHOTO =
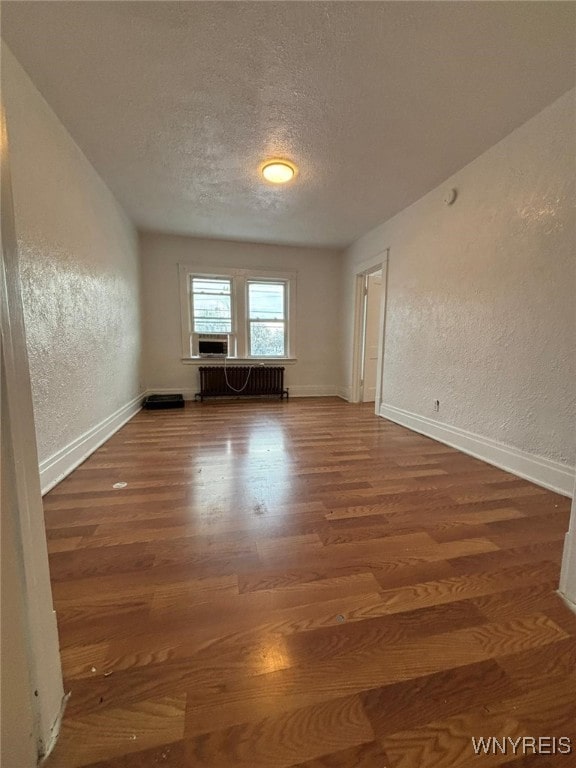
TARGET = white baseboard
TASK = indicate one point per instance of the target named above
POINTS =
(295, 390)
(549, 474)
(59, 465)
(312, 390)
(343, 393)
(569, 603)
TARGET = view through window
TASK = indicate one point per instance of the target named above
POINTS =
(211, 305)
(267, 319)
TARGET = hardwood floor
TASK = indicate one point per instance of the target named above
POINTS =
(305, 585)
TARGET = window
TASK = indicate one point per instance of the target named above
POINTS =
(211, 305)
(255, 310)
(266, 319)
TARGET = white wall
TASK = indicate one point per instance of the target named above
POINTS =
(480, 308)
(318, 285)
(80, 278)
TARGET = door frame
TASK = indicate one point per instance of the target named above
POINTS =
(20, 481)
(377, 263)
(567, 587)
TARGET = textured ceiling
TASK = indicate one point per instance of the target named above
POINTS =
(176, 103)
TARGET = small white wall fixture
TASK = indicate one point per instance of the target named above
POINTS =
(30, 721)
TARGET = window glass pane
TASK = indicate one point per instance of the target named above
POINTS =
(212, 305)
(212, 326)
(210, 285)
(266, 301)
(267, 339)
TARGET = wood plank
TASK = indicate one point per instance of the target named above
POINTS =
(113, 732)
(282, 740)
(370, 755)
(408, 705)
(377, 666)
(301, 585)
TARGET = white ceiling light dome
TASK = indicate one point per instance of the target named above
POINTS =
(278, 171)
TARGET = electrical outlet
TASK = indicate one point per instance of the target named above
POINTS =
(436, 405)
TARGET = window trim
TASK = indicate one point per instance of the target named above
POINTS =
(239, 281)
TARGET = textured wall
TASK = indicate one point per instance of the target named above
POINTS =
(481, 309)
(318, 283)
(80, 273)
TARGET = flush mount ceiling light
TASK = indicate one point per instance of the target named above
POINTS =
(278, 171)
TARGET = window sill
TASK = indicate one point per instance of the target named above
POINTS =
(243, 360)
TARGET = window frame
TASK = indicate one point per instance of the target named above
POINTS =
(192, 319)
(239, 279)
(250, 320)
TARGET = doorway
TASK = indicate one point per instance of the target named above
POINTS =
(368, 352)
(372, 303)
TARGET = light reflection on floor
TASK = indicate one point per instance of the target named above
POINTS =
(248, 476)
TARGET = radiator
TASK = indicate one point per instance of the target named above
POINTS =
(241, 380)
